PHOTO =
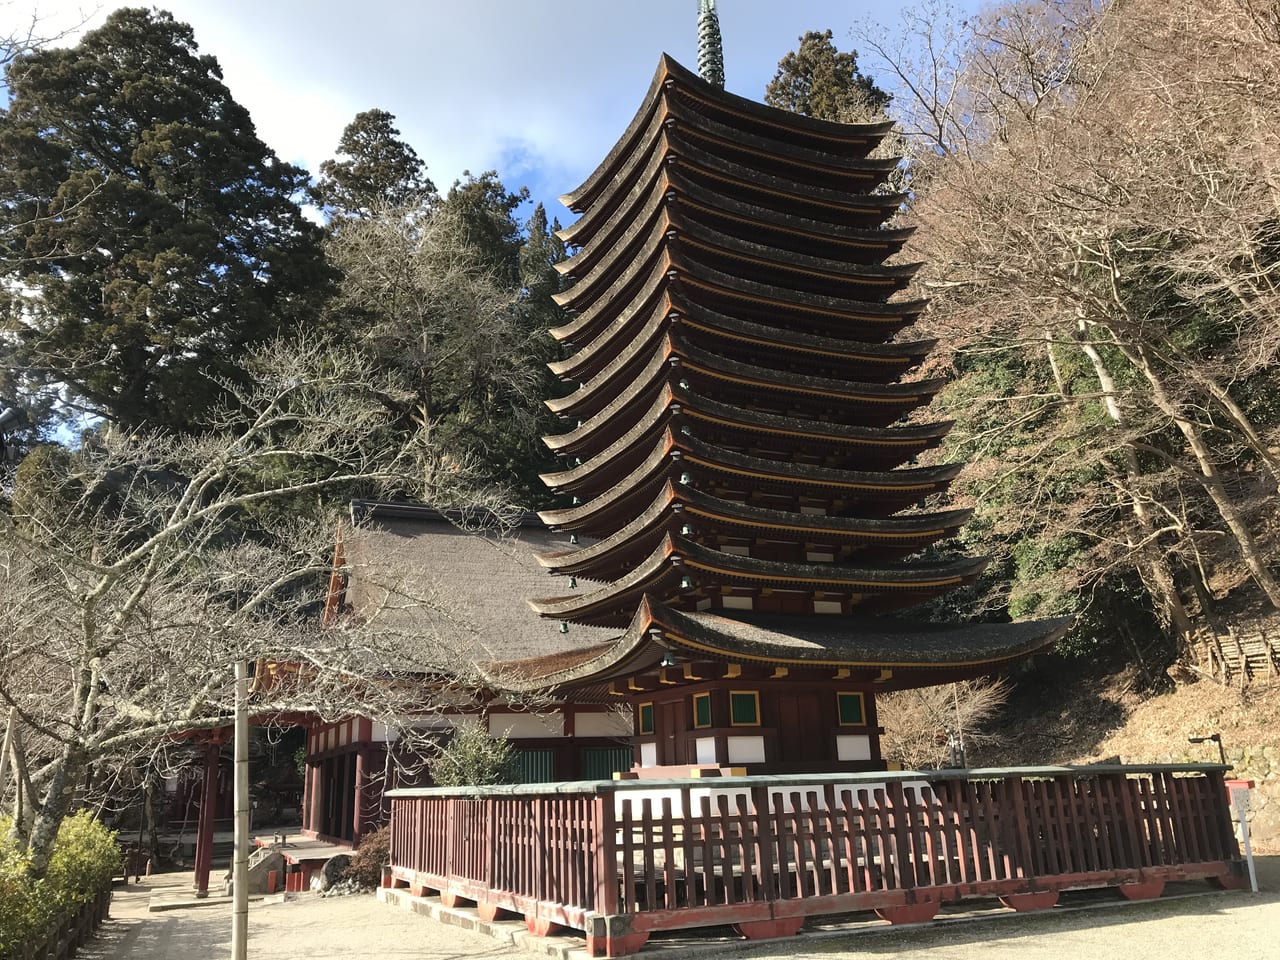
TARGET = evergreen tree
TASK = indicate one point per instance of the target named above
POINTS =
(378, 169)
(819, 81)
(148, 237)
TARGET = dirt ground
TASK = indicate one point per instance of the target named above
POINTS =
(1213, 926)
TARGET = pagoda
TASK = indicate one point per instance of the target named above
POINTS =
(743, 500)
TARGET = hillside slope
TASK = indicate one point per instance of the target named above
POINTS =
(1092, 718)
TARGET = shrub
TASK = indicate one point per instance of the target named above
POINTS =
(473, 758)
(85, 857)
(370, 857)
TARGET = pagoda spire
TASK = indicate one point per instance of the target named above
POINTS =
(710, 49)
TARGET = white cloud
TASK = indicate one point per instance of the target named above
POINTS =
(544, 87)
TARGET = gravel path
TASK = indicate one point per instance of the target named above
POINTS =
(1231, 926)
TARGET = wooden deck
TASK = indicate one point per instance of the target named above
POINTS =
(620, 859)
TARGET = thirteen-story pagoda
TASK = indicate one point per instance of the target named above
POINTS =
(741, 452)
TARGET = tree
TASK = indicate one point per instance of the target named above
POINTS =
(378, 169)
(133, 574)
(419, 301)
(927, 727)
(147, 233)
(820, 81)
(1100, 233)
(456, 300)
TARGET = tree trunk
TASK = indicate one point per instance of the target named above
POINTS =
(1152, 565)
(57, 802)
(1211, 479)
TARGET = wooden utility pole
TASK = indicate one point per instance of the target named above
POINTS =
(240, 865)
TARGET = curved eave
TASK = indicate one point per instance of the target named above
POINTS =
(580, 198)
(907, 440)
(616, 417)
(894, 358)
(900, 654)
(844, 313)
(904, 484)
(911, 393)
(914, 530)
(659, 573)
(662, 182)
(610, 306)
(657, 414)
(572, 518)
(819, 135)
(675, 349)
(836, 207)
(911, 436)
(826, 577)
(675, 557)
(632, 652)
(663, 223)
(853, 243)
(851, 642)
(650, 521)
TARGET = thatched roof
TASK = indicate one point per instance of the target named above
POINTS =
(460, 578)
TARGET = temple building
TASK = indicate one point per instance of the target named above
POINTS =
(743, 423)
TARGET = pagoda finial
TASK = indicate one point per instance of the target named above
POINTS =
(710, 49)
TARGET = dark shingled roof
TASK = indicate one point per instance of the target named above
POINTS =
(919, 528)
(778, 125)
(476, 582)
(892, 358)
(676, 555)
(945, 652)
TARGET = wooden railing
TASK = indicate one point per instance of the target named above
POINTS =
(70, 932)
(619, 859)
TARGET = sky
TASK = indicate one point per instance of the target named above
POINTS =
(538, 90)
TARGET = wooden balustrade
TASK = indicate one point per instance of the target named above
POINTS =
(619, 859)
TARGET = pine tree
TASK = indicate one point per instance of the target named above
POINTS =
(148, 237)
(819, 81)
(379, 169)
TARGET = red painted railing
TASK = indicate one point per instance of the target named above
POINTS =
(619, 859)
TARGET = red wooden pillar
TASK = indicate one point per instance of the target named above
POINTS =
(316, 806)
(208, 813)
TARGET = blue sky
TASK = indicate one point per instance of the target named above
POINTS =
(537, 89)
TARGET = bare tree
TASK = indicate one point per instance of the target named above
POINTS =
(1098, 216)
(136, 570)
(417, 299)
(928, 727)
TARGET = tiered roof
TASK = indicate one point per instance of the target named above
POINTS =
(743, 410)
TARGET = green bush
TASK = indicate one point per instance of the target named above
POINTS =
(85, 856)
(473, 758)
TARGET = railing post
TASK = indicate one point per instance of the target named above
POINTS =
(490, 838)
(603, 822)
(763, 827)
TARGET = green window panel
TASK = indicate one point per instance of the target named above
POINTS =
(850, 709)
(702, 709)
(744, 708)
(646, 718)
